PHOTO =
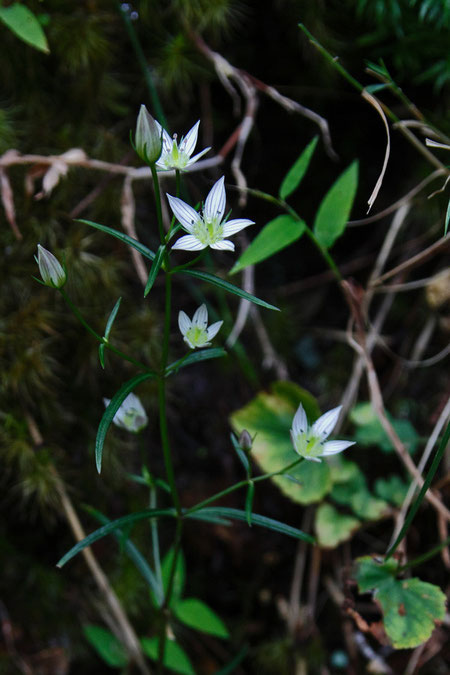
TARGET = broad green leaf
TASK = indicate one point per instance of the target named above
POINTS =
(295, 174)
(118, 524)
(350, 489)
(106, 645)
(262, 521)
(393, 489)
(23, 23)
(156, 266)
(333, 527)
(135, 555)
(334, 210)
(134, 243)
(175, 658)
(111, 318)
(195, 357)
(276, 235)
(230, 288)
(268, 418)
(195, 614)
(111, 410)
(179, 576)
(410, 606)
(370, 432)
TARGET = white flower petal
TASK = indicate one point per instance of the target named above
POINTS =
(188, 243)
(223, 245)
(312, 459)
(197, 156)
(215, 201)
(184, 322)
(190, 141)
(200, 317)
(333, 447)
(185, 214)
(326, 423)
(300, 421)
(234, 226)
(214, 329)
(189, 343)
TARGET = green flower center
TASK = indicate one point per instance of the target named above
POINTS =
(197, 336)
(208, 231)
(308, 445)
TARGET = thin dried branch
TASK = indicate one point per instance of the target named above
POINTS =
(7, 198)
(373, 101)
(128, 209)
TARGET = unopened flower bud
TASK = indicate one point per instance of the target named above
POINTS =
(148, 139)
(52, 272)
(245, 441)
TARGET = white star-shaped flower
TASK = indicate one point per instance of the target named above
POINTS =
(310, 441)
(196, 332)
(174, 156)
(207, 229)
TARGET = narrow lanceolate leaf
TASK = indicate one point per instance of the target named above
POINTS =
(113, 525)
(23, 23)
(447, 219)
(111, 410)
(262, 521)
(230, 288)
(295, 174)
(156, 266)
(175, 658)
(195, 357)
(276, 235)
(334, 210)
(143, 250)
(112, 317)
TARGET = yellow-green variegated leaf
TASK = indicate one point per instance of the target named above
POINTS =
(333, 527)
(269, 417)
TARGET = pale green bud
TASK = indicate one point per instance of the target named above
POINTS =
(245, 441)
(148, 139)
(52, 272)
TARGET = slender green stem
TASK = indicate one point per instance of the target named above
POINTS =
(168, 597)
(98, 337)
(143, 65)
(237, 486)
(155, 541)
(165, 444)
(162, 236)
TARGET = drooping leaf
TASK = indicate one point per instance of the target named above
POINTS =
(295, 174)
(175, 658)
(111, 410)
(107, 646)
(262, 521)
(410, 606)
(333, 527)
(195, 357)
(119, 523)
(334, 210)
(276, 235)
(143, 250)
(101, 354)
(23, 23)
(135, 555)
(268, 418)
(156, 266)
(111, 318)
(226, 286)
(195, 614)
